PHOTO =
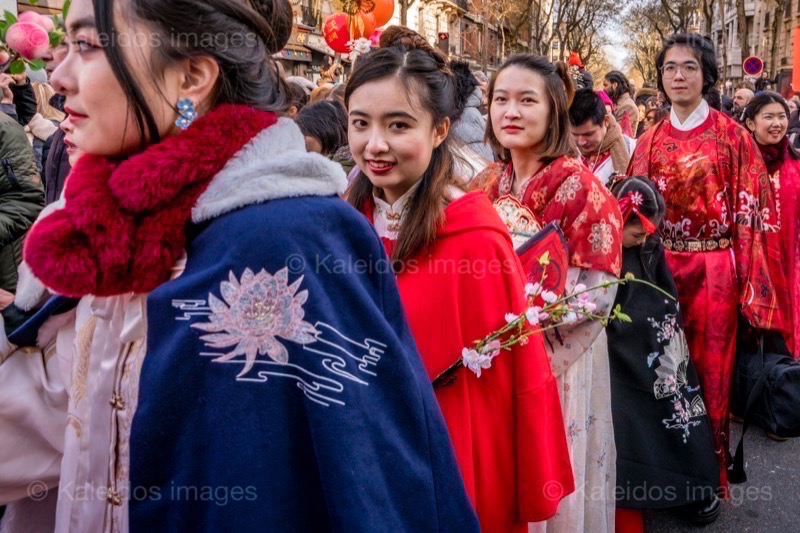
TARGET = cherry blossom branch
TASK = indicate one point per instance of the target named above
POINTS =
(536, 319)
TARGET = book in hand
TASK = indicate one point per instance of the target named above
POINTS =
(550, 239)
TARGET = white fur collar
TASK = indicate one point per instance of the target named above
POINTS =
(273, 165)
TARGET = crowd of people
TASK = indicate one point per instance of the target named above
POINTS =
(237, 300)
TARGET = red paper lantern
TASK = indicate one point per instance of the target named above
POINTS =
(383, 11)
(336, 32)
(367, 23)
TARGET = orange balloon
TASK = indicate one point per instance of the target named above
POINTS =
(382, 10)
(368, 21)
(336, 32)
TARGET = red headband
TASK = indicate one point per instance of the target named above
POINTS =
(630, 203)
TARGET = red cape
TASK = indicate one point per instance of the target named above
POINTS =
(506, 426)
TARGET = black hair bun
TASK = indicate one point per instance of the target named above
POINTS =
(278, 17)
(465, 83)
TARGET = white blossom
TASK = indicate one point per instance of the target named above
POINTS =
(476, 361)
(549, 297)
(532, 289)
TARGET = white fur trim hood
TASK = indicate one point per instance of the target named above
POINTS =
(274, 164)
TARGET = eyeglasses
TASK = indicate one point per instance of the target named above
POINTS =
(689, 70)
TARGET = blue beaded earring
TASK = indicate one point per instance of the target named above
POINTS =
(187, 113)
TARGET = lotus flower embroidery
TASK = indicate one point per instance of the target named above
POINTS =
(255, 312)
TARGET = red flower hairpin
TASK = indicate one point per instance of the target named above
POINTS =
(630, 203)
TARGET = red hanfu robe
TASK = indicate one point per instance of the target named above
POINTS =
(786, 183)
(506, 425)
(716, 188)
(567, 192)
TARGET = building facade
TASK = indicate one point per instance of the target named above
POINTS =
(767, 30)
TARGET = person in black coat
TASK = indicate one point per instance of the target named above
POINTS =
(24, 98)
(55, 159)
(665, 449)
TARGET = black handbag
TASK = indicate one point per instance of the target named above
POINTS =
(767, 394)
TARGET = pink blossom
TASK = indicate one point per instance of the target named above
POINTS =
(532, 314)
(532, 289)
(535, 315)
(569, 317)
(549, 297)
(511, 317)
(584, 306)
(35, 18)
(492, 349)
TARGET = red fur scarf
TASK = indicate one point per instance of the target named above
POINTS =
(123, 226)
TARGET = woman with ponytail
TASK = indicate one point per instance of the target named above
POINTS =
(458, 277)
(539, 181)
(215, 358)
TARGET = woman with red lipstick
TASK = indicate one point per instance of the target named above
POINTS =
(539, 179)
(458, 277)
(767, 118)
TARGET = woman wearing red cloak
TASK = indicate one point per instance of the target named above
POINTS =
(458, 277)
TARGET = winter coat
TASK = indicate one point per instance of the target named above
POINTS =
(56, 167)
(24, 101)
(471, 127)
(626, 106)
(21, 197)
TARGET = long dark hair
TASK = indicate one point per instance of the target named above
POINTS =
(757, 103)
(559, 89)
(623, 85)
(762, 99)
(240, 35)
(426, 75)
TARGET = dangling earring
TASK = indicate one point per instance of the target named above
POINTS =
(187, 113)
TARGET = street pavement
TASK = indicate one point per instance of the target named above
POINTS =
(768, 501)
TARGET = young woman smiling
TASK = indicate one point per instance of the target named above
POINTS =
(767, 118)
(458, 277)
(203, 374)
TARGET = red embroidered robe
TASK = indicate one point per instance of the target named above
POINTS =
(564, 191)
(506, 426)
(715, 186)
(786, 183)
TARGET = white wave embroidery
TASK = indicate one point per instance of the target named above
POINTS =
(261, 308)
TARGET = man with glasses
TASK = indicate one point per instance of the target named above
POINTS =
(718, 228)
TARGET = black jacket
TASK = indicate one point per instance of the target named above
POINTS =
(21, 197)
(24, 101)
